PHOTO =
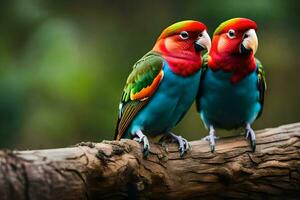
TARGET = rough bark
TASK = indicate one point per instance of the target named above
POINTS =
(117, 170)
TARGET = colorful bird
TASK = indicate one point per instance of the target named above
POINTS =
(232, 84)
(163, 85)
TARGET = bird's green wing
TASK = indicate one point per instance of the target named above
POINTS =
(261, 84)
(142, 82)
(203, 71)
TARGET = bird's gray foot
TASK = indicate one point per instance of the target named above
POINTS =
(211, 138)
(251, 135)
(184, 145)
(141, 138)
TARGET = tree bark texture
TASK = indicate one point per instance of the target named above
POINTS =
(117, 170)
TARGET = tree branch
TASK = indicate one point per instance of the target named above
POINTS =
(116, 170)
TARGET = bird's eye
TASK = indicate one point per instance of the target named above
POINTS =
(231, 34)
(184, 35)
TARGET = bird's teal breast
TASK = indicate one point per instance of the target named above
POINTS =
(226, 105)
(168, 104)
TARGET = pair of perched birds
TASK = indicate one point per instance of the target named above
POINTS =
(228, 83)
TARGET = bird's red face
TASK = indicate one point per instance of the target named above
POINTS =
(237, 37)
(181, 45)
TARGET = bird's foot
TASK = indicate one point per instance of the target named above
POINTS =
(184, 145)
(211, 139)
(141, 138)
(251, 135)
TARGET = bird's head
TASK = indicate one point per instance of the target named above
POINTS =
(236, 37)
(183, 43)
(183, 38)
(233, 47)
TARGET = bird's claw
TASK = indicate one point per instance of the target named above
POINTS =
(141, 138)
(250, 134)
(183, 144)
(211, 139)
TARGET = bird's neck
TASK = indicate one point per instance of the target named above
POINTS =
(183, 66)
(181, 62)
(239, 65)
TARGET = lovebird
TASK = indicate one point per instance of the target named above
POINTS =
(232, 83)
(163, 85)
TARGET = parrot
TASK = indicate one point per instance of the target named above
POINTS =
(232, 83)
(163, 85)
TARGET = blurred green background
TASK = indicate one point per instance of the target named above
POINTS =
(64, 63)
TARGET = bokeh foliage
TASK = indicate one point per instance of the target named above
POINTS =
(63, 63)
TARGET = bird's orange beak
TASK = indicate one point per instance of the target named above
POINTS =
(250, 42)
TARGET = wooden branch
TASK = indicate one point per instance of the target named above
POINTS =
(116, 170)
